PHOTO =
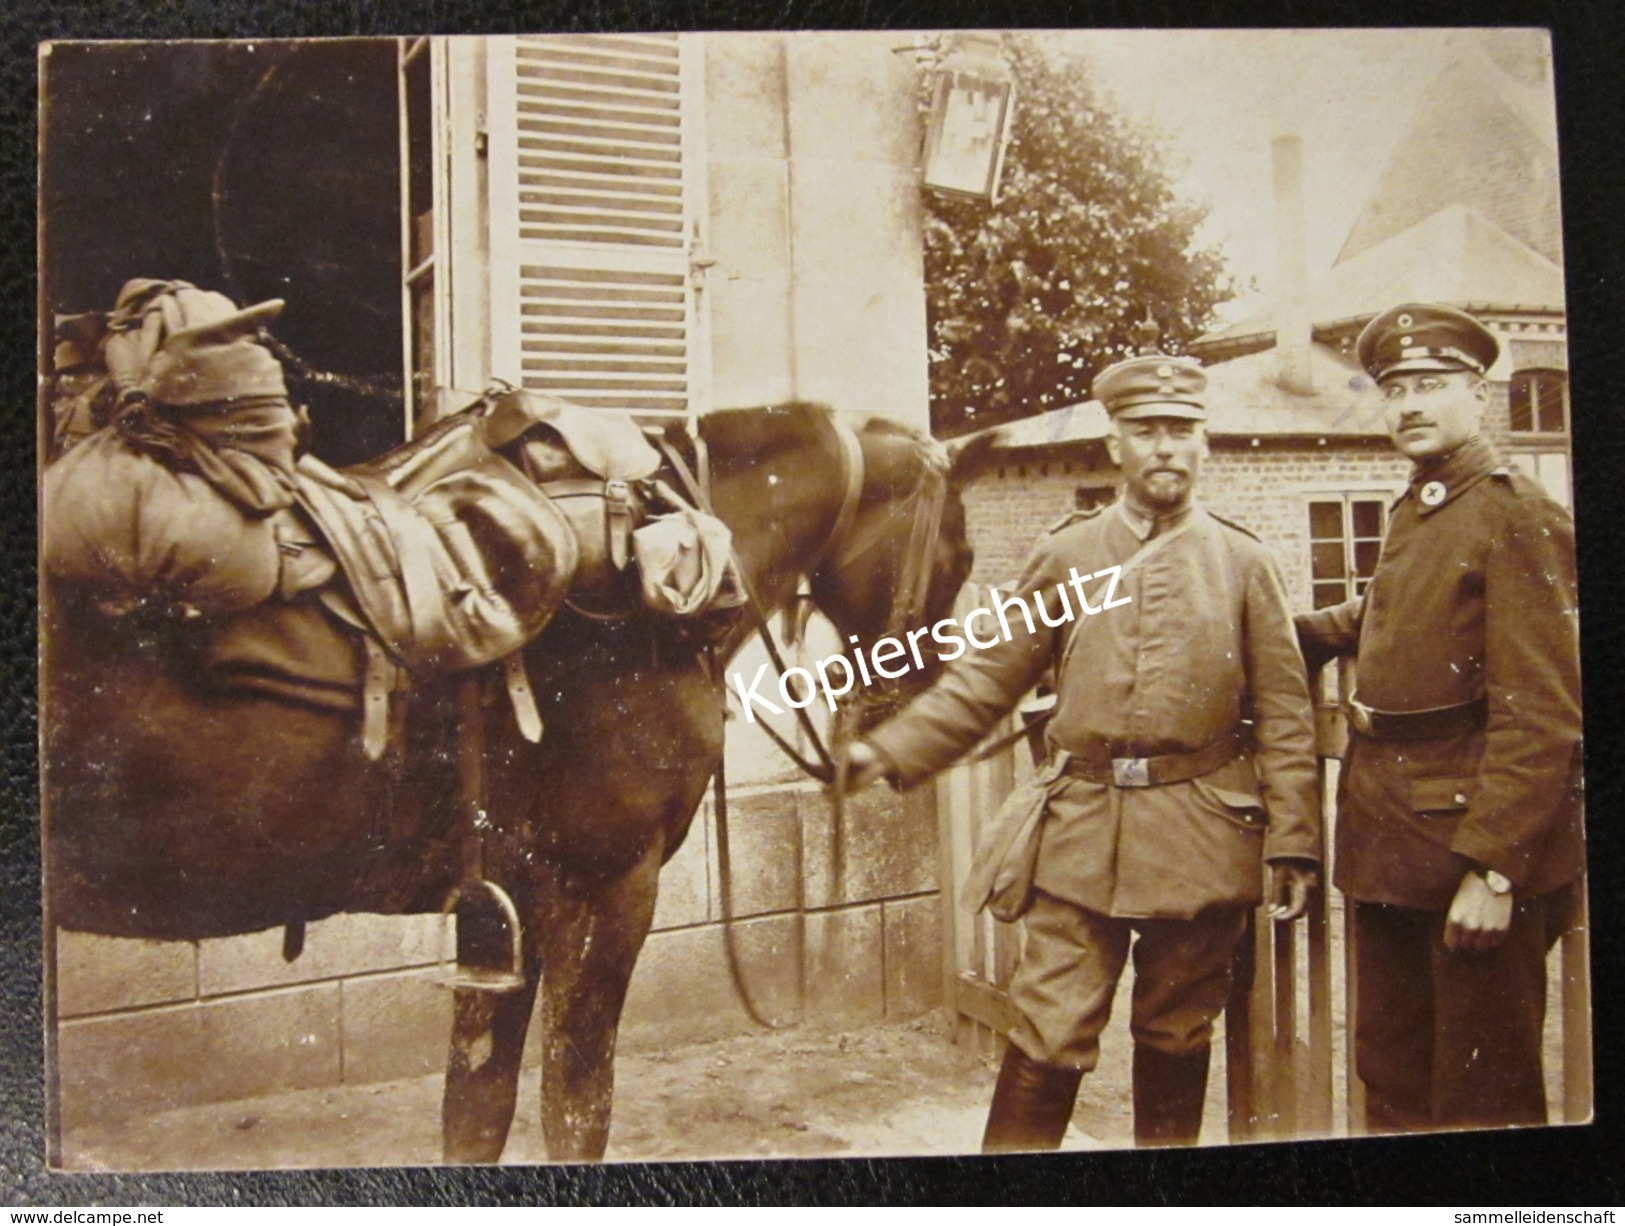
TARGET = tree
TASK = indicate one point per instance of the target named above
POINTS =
(1027, 299)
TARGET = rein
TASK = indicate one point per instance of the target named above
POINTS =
(823, 770)
(927, 501)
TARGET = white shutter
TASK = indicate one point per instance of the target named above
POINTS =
(593, 191)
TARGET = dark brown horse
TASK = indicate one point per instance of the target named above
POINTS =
(182, 804)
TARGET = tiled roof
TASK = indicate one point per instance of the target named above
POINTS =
(1481, 138)
(1455, 256)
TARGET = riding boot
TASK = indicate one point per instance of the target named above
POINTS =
(1168, 1096)
(1032, 1104)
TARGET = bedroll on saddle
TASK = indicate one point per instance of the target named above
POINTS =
(131, 531)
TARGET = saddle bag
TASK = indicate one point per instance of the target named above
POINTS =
(454, 558)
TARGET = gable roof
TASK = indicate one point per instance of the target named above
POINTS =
(1456, 256)
(1479, 137)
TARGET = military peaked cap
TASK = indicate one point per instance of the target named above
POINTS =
(1419, 337)
(1153, 385)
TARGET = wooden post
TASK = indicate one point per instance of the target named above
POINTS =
(1351, 993)
(1238, 1052)
(1315, 1091)
(1575, 956)
(1283, 1056)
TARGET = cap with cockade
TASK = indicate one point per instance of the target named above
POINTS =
(1153, 385)
(1420, 337)
(221, 359)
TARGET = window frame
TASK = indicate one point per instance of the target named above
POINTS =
(1535, 434)
(1354, 584)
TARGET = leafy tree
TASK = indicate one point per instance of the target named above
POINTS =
(1029, 298)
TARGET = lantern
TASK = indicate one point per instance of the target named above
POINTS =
(969, 126)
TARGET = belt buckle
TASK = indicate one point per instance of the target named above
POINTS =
(1131, 773)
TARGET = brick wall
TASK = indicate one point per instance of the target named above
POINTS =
(1263, 488)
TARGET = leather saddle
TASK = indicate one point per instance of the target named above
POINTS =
(596, 468)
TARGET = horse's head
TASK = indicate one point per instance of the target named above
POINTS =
(896, 565)
(870, 514)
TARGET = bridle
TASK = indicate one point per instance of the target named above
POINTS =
(926, 503)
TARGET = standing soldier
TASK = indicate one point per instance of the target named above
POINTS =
(1459, 829)
(1180, 760)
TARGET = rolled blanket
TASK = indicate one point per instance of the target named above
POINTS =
(132, 531)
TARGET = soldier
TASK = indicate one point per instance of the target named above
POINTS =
(1180, 759)
(1459, 828)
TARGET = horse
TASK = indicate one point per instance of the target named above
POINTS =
(180, 805)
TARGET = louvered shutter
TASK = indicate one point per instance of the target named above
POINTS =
(593, 193)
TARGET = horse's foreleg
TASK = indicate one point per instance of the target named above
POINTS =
(590, 946)
(482, 1073)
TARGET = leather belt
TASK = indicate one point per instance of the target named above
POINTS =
(1417, 725)
(1096, 763)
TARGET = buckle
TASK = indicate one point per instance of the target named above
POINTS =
(1131, 772)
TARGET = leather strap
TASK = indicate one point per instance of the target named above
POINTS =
(852, 457)
(414, 547)
(521, 698)
(377, 681)
(1099, 763)
(1418, 725)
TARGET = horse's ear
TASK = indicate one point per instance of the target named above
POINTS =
(967, 456)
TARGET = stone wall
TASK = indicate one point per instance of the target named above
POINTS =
(150, 1025)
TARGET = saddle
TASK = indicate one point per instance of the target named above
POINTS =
(456, 548)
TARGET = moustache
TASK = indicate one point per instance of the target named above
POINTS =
(1415, 422)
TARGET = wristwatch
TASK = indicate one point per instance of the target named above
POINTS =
(1497, 882)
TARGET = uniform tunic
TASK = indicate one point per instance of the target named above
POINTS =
(1473, 597)
(1198, 639)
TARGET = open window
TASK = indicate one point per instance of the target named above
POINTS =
(555, 217)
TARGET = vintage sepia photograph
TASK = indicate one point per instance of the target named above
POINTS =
(702, 596)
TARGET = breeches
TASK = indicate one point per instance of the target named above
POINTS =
(1452, 1039)
(1072, 961)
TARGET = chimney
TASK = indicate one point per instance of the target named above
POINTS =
(1292, 323)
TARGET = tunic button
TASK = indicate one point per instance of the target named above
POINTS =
(1461, 798)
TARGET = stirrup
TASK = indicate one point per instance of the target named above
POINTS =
(490, 955)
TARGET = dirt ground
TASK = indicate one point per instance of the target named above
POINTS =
(887, 1090)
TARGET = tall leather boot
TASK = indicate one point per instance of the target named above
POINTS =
(1168, 1096)
(1032, 1104)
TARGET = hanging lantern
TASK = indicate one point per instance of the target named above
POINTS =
(972, 105)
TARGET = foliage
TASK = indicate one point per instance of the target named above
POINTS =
(1029, 298)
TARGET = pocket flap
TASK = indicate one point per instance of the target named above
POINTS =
(1441, 795)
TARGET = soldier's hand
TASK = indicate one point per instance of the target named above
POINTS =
(1290, 885)
(1479, 917)
(864, 765)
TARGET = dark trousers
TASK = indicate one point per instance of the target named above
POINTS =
(1451, 1039)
